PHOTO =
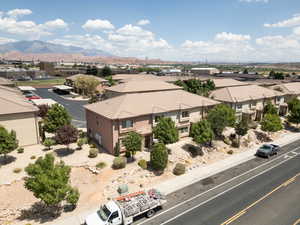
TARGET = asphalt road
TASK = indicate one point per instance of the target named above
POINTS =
(254, 197)
(75, 108)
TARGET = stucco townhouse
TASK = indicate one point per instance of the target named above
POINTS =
(250, 100)
(17, 114)
(289, 89)
(109, 121)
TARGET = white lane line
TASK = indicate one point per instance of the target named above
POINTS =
(196, 196)
(233, 187)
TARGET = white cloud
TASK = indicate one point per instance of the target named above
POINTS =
(224, 36)
(131, 30)
(98, 25)
(251, 1)
(55, 24)
(143, 22)
(4, 40)
(294, 21)
(19, 12)
(278, 42)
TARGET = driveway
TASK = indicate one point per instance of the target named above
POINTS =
(75, 108)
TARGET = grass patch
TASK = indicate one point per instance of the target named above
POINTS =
(56, 81)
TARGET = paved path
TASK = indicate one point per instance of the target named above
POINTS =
(75, 108)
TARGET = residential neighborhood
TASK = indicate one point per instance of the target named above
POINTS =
(119, 113)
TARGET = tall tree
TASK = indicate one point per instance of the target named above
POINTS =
(165, 131)
(49, 181)
(8, 141)
(86, 85)
(220, 117)
(106, 71)
(66, 135)
(56, 117)
(132, 143)
(294, 116)
(159, 157)
(201, 132)
(271, 123)
(293, 102)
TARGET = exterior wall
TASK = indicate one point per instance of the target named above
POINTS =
(101, 130)
(24, 124)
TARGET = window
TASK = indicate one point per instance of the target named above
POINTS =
(278, 99)
(114, 215)
(183, 130)
(127, 124)
(239, 106)
(185, 114)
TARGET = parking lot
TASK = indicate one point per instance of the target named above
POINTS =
(75, 108)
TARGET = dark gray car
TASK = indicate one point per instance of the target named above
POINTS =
(267, 150)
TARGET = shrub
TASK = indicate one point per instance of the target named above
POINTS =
(17, 170)
(119, 163)
(230, 152)
(159, 157)
(271, 123)
(194, 150)
(81, 142)
(20, 150)
(143, 164)
(93, 153)
(101, 165)
(33, 157)
(81, 134)
(92, 145)
(179, 169)
(165, 131)
(48, 142)
(73, 196)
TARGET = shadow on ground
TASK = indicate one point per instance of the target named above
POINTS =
(63, 152)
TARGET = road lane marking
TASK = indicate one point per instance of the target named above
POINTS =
(297, 222)
(228, 181)
(242, 212)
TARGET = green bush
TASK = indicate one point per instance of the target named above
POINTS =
(143, 164)
(73, 196)
(159, 157)
(33, 157)
(93, 153)
(100, 165)
(179, 169)
(17, 170)
(81, 142)
(119, 163)
(271, 123)
(48, 142)
(20, 150)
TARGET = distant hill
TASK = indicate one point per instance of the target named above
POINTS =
(42, 47)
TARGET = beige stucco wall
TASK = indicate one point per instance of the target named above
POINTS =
(25, 125)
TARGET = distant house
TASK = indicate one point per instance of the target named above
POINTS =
(204, 71)
(138, 86)
(289, 89)
(109, 121)
(19, 115)
(121, 78)
(249, 100)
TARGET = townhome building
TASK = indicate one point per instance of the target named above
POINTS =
(109, 121)
(19, 115)
(249, 101)
(289, 89)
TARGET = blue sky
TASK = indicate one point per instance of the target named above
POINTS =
(216, 30)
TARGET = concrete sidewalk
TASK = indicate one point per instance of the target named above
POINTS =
(191, 177)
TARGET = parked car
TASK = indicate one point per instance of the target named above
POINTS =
(267, 150)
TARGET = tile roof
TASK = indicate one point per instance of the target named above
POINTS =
(289, 88)
(4, 81)
(243, 93)
(11, 101)
(228, 82)
(134, 86)
(132, 105)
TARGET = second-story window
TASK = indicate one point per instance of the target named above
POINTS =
(127, 124)
(185, 114)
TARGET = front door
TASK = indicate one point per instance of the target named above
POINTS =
(147, 141)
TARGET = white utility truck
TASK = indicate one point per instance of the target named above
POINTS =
(122, 210)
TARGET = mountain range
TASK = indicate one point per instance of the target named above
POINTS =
(42, 47)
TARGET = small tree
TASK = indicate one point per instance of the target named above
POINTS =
(293, 102)
(270, 108)
(49, 181)
(43, 110)
(132, 143)
(165, 131)
(8, 141)
(201, 132)
(66, 135)
(56, 117)
(81, 142)
(220, 117)
(159, 157)
(241, 129)
(49, 142)
(271, 123)
(110, 80)
(294, 116)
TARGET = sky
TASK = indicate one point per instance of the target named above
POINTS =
(190, 30)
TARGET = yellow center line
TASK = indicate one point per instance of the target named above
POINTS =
(297, 222)
(242, 212)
